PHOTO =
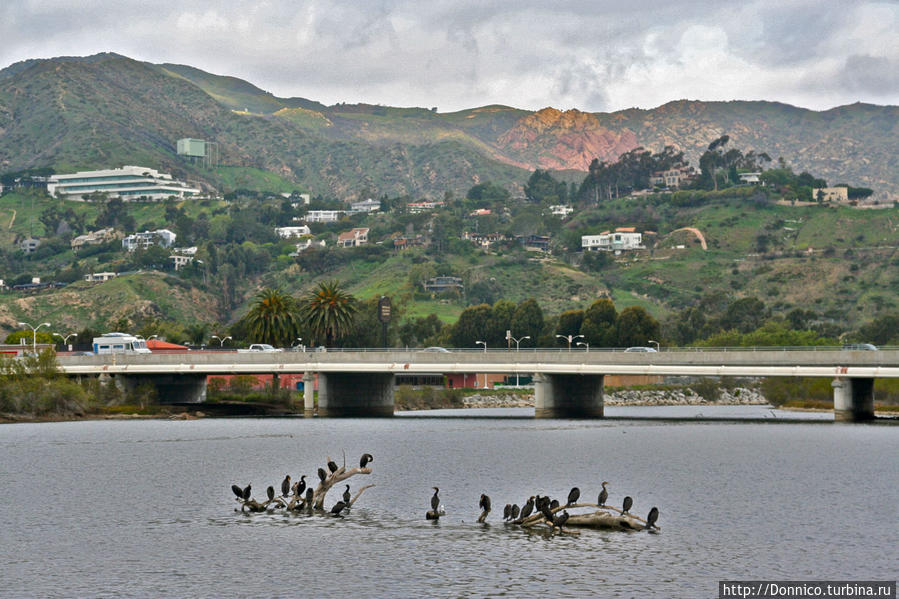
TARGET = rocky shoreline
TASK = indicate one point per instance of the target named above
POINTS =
(739, 396)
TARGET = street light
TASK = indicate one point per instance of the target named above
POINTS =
(656, 342)
(299, 343)
(584, 344)
(34, 336)
(484, 343)
(517, 341)
(570, 338)
(65, 340)
(221, 339)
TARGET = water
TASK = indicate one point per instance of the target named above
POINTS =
(144, 508)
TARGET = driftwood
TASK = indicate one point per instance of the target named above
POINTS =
(339, 475)
(598, 519)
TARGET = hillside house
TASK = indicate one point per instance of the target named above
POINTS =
(99, 277)
(95, 238)
(128, 183)
(161, 237)
(403, 242)
(624, 238)
(830, 194)
(560, 210)
(324, 216)
(439, 284)
(366, 206)
(288, 232)
(418, 207)
(353, 238)
(673, 177)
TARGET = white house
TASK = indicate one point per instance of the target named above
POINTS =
(128, 183)
(561, 210)
(160, 237)
(624, 238)
(286, 232)
(368, 205)
(306, 244)
(324, 216)
(99, 277)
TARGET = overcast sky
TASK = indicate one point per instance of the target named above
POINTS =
(594, 55)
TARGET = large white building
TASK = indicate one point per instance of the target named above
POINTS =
(128, 183)
(299, 231)
(622, 239)
(324, 216)
(160, 237)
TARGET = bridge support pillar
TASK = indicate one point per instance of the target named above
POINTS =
(568, 396)
(308, 394)
(355, 394)
(170, 388)
(853, 399)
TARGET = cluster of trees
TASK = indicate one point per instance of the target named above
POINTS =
(632, 171)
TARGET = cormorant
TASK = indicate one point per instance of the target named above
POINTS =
(270, 492)
(285, 486)
(528, 508)
(301, 486)
(628, 502)
(484, 503)
(573, 496)
(651, 518)
(309, 495)
(554, 504)
(515, 511)
(338, 507)
(237, 491)
(435, 500)
(546, 511)
(603, 495)
(322, 475)
(561, 519)
(346, 495)
(507, 511)
(246, 492)
(332, 465)
(365, 459)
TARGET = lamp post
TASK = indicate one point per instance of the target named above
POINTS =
(517, 341)
(221, 339)
(656, 342)
(34, 335)
(65, 339)
(299, 343)
(484, 343)
(585, 345)
(570, 338)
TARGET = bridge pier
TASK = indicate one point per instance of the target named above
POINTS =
(170, 388)
(308, 394)
(355, 394)
(853, 399)
(568, 396)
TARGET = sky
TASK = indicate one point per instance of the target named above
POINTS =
(592, 55)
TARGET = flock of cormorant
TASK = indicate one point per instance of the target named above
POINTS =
(536, 510)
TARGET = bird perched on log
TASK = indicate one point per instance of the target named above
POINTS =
(301, 486)
(338, 507)
(322, 475)
(332, 465)
(285, 486)
(560, 520)
(484, 503)
(246, 492)
(346, 495)
(573, 496)
(528, 508)
(546, 511)
(435, 499)
(507, 511)
(603, 495)
(554, 504)
(365, 459)
(651, 518)
(309, 495)
(237, 491)
(628, 503)
(515, 511)
(270, 492)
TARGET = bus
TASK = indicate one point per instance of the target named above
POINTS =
(120, 343)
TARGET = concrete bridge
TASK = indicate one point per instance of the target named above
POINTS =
(567, 383)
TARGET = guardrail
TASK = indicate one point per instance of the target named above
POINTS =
(471, 350)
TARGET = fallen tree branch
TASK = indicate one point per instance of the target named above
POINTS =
(358, 493)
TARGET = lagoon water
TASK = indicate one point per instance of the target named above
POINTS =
(144, 508)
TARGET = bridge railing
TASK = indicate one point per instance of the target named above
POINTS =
(583, 350)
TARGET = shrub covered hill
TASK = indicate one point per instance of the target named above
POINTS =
(721, 262)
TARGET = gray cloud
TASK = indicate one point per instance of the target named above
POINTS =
(590, 54)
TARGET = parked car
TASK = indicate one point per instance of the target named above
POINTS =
(641, 349)
(860, 346)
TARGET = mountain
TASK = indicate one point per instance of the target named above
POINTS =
(108, 110)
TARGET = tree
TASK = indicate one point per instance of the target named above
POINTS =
(273, 318)
(570, 322)
(328, 310)
(744, 315)
(598, 326)
(528, 321)
(500, 321)
(636, 326)
(471, 326)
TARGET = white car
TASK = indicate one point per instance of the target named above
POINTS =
(641, 349)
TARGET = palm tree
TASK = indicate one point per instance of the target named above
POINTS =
(273, 318)
(328, 310)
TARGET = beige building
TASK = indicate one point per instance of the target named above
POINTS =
(830, 194)
(353, 238)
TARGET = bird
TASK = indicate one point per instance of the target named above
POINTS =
(573, 496)
(561, 519)
(484, 503)
(338, 507)
(270, 492)
(528, 508)
(554, 504)
(332, 465)
(435, 499)
(507, 511)
(515, 511)
(628, 502)
(237, 491)
(301, 485)
(346, 495)
(546, 511)
(285, 486)
(309, 495)
(246, 492)
(322, 475)
(365, 459)
(603, 495)
(651, 518)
